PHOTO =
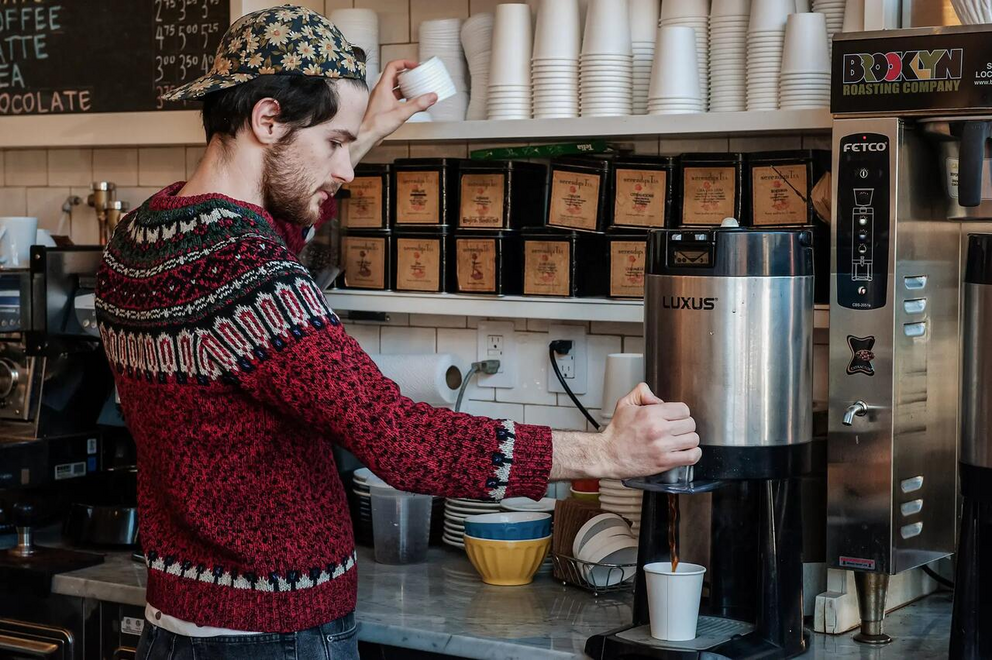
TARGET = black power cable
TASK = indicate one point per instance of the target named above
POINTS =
(938, 578)
(562, 347)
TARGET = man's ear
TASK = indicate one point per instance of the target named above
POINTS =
(265, 123)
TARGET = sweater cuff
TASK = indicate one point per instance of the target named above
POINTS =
(531, 462)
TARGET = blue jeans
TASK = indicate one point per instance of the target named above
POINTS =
(337, 640)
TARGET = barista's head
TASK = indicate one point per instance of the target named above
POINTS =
(287, 90)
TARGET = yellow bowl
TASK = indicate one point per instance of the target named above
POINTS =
(507, 563)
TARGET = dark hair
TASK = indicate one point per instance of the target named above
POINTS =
(304, 101)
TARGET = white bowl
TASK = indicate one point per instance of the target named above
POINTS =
(617, 550)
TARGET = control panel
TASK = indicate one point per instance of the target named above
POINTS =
(863, 183)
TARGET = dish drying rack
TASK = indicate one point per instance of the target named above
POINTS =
(572, 571)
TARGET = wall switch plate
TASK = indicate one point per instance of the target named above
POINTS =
(575, 365)
(496, 342)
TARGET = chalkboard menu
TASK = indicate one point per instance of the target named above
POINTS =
(80, 56)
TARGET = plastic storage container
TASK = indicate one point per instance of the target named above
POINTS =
(401, 524)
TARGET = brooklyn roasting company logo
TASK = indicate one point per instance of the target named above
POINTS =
(681, 302)
(903, 72)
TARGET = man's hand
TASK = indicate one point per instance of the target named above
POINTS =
(645, 437)
(385, 113)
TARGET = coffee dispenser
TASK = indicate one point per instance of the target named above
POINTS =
(909, 143)
(729, 331)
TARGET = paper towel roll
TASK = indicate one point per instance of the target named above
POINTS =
(428, 377)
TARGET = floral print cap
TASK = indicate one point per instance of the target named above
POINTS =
(287, 40)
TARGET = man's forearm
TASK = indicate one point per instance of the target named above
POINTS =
(362, 145)
(577, 455)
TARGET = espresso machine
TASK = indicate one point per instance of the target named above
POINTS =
(729, 330)
(909, 141)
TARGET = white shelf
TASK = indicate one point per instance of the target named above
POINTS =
(184, 127)
(565, 309)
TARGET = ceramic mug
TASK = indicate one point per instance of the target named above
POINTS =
(17, 235)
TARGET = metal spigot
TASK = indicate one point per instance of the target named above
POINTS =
(856, 409)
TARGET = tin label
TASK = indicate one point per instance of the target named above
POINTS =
(574, 200)
(709, 195)
(70, 470)
(627, 260)
(482, 201)
(365, 262)
(640, 198)
(418, 264)
(132, 626)
(364, 207)
(780, 195)
(418, 198)
(951, 180)
(547, 268)
(476, 264)
(856, 563)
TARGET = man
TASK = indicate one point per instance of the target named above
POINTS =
(235, 379)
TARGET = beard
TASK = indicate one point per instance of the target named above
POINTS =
(287, 190)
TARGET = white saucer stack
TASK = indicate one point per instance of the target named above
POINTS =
(477, 42)
(606, 65)
(696, 15)
(456, 511)
(643, 31)
(361, 28)
(616, 498)
(833, 10)
(442, 39)
(728, 55)
(805, 63)
(509, 65)
(765, 39)
(555, 61)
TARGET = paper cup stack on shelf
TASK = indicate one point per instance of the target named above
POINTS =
(805, 63)
(643, 31)
(361, 27)
(675, 76)
(606, 65)
(973, 12)
(442, 39)
(477, 42)
(696, 15)
(765, 40)
(555, 62)
(833, 11)
(728, 55)
(854, 16)
(509, 67)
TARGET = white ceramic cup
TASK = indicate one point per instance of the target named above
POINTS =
(607, 30)
(429, 76)
(770, 14)
(512, 42)
(675, 71)
(673, 599)
(557, 33)
(17, 235)
(806, 48)
(643, 15)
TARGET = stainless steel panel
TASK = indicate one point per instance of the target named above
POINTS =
(976, 380)
(743, 367)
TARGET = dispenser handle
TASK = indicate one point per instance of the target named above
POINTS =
(971, 163)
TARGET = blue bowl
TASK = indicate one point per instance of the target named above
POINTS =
(510, 526)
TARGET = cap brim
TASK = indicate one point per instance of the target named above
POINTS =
(202, 86)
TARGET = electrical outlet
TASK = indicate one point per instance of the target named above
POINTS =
(575, 364)
(496, 342)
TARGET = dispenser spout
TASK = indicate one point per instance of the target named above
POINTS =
(856, 409)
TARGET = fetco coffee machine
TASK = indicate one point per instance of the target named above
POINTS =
(910, 134)
(729, 331)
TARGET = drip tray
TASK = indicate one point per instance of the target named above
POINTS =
(710, 631)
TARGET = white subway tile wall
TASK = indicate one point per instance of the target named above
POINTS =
(119, 166)
(161, 166)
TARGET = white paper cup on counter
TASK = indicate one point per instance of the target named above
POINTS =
(429, 76)
(673, 599)
(17, 235)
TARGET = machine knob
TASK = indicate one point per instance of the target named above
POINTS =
(856, 409)
(9, 377)
(24, 514)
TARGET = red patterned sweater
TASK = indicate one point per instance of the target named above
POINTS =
(235, 380)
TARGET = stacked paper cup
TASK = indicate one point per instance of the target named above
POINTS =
(443, 39)
(606, 65)
(555, 62)
(694, 14)
(833, 10)
(765, 39)
(854, 16)
(477, 42)
(805, 63)
(675, 85)
(509, 66)
(728, 55)
(361, 27)
(643, 31)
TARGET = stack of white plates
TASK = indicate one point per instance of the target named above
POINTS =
(455, 513)
(805, 64)
(728, 55)
(765, 38)
(555, 61)
(443, 39)
(833, 10)
(477, 42)
(643, 31)
(361, 28)
(509, 65)
(696, 15)
(606, 65)
(616, 498)
(360, 486)
(527, 505)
